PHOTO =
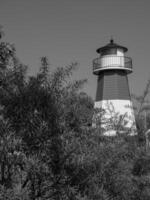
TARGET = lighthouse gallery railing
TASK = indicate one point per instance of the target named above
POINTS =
(106, 62)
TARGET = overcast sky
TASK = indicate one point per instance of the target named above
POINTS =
(71, 30)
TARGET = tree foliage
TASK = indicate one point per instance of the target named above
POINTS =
(48, 149)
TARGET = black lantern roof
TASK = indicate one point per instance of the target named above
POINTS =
(111, 45)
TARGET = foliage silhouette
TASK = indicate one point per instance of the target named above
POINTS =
(48, 149)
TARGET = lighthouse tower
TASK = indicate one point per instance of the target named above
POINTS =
(113, 102)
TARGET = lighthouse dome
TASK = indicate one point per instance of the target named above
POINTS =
(110, 48)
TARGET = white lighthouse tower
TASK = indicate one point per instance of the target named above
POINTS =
(115, 111)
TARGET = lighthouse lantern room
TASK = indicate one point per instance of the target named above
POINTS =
(113, 96)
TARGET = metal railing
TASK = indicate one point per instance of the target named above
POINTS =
(110, 62)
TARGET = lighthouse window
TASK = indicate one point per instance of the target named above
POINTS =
(109, 52)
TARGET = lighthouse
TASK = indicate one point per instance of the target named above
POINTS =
(115, 113)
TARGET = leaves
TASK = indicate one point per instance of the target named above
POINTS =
(48, 149)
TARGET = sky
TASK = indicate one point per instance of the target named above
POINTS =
(69, 31)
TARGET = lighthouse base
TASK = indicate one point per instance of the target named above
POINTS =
(114, 117)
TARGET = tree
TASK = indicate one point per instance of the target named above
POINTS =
(141, 107)
(49, 149)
